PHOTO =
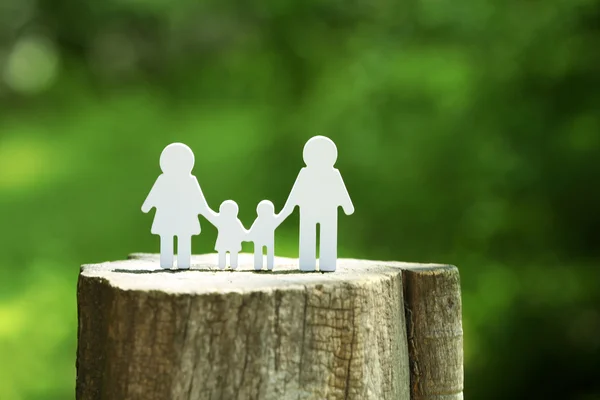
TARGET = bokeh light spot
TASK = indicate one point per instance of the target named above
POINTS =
(24, 162)
(11, 319)
(32, 65)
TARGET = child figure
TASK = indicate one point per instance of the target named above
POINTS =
(231, 233)
(178, 199)
(262, 233)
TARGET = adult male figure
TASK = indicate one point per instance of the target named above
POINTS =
(318, 191)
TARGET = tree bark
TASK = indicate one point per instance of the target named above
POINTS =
(435, 337)
(147, 333)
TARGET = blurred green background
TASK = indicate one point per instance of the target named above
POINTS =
(468, 133)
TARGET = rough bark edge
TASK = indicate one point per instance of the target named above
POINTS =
(94, 315)
(91, 340)
(418, 280)
(433, 309)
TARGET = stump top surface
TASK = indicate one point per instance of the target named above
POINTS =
(143, 272)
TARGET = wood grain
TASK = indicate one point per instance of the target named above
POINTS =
(147, 333)
(435, 337)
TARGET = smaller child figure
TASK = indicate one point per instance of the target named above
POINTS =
(231, 233)
(262, 233)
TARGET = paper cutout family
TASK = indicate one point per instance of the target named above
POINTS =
(318, 192)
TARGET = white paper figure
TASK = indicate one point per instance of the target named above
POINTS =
(231, 233)
(318, 191)
(262, 233)
(178, 199)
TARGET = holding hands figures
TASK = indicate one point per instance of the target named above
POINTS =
(318, 192)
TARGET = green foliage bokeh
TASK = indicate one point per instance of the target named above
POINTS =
(468, 133)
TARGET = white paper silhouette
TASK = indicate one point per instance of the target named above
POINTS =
(262, 233)
(178, 199)
(231, 232)
(318, 192)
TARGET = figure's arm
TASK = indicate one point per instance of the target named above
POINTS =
(279, 218)
(292, 200)
(345, 200)
(247, 232)
(287, 210)
(249, 235)
(150, 201)
(211, 216)
(202, 206)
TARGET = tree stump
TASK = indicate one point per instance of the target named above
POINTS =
(152, 334)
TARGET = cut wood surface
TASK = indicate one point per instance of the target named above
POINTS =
(147, 333)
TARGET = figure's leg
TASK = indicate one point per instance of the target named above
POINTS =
(270, 256)
(222, 259)
(308, 244)
(166, 251)
(184, 252)
(258, 256)
(233, 260)
(328, 245)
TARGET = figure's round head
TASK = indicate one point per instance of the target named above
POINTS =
(177, 158)
(320, 151)
(229, 207)
(265, 208)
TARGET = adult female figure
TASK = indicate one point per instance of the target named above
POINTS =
(178, 199)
